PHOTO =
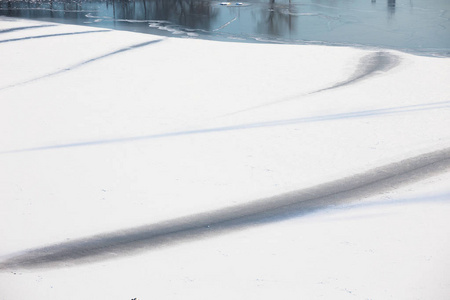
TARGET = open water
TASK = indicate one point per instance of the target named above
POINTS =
(418, 26)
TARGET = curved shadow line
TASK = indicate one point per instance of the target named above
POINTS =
(367, 66)
(207, 224)
(360, 114)
(128, 48)
(24, 28)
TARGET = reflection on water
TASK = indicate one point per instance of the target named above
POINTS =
(391, 6)
(413, 25)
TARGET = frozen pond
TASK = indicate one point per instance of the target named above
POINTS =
(421, 26)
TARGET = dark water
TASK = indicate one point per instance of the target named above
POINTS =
(419, 26)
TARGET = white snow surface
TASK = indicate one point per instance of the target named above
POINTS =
(98, 136)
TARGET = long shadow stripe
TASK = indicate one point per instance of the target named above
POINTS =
(128, 48)
(50, 35)
(323, 118)
(23, 28)
(207, 224)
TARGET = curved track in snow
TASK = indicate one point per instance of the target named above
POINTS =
(134, 240)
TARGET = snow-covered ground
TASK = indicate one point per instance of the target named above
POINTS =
(138, 166)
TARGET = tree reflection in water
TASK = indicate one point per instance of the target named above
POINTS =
(331, 22)
(192, 14)
(268, 18)
(278, 19)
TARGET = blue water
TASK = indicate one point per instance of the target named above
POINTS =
(418, 26)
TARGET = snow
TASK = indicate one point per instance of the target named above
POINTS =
(107, 131)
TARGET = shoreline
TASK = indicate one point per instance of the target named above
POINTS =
(436, 53)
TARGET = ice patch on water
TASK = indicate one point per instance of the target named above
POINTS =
(171, 28)
(91, 16)
(161, 26)
(134, 21)
(156, 24)
(226, 24)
